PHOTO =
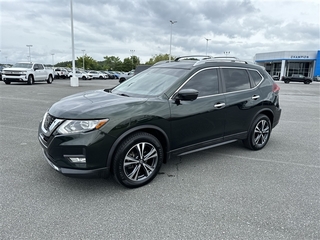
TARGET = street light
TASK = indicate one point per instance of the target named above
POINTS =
(172, 22)
(74, 81)
(29, 46)
(132, 51)
(207, 45)
(52, 59)
(83, 58)
(226, 53)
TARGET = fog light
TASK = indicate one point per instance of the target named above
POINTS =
(77, 159)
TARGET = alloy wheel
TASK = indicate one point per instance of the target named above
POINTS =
(140, 161)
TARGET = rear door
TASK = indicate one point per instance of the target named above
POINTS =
(243, 100)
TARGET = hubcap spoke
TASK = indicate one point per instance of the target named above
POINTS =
(135, 173)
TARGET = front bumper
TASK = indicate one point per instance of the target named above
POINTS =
(15, 78)
(85, 173)
(92, 146)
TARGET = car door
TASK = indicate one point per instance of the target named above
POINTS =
(200, 121)
(37, 72)
(243, 100)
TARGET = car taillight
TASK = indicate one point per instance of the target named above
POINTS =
(275, 88)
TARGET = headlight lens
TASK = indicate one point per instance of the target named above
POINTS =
(77, 126)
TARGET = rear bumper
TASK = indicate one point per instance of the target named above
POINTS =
(277, 115)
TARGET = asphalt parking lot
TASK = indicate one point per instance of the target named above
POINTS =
(227, 192)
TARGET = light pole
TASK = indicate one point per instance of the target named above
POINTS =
(132, 51)
(74, 81)
(207, 45)
(226, 53)
(29, 46)
(83, 50)
(52, 59)
(172, 22)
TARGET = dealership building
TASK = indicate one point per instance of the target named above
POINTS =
(286, 63)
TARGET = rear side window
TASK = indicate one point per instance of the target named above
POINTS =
(206, 82)
(256, 77)
(235, 79)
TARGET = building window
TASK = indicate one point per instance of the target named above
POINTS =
(298, 68)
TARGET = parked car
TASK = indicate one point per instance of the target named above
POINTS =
(1, 67)
(28, 72)
(97, 74)
(174, 108)
(138, 69)
(125, 76)
(115, 74)
(60, 73)
(82, 75)
(316, 78)
(108, 74)
(297, 78)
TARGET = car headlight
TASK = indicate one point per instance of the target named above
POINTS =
(77, 126)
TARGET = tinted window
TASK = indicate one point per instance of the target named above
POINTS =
(235, 79)
(256, 77)
(40, 66)
(206, 82)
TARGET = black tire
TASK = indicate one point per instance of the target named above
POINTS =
(7, 82)
(30, 80)
(84, 78)
(137, 160)
(307, 82)
(121, 80)
(50, 79)
(259, 133)
(286, 81)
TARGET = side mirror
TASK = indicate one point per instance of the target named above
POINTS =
(187, 95)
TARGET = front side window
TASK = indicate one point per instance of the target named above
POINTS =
(235, 79)
(206, 82)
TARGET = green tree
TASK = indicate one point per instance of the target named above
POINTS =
(112, 63)
(130, 63)
(89, 63)
(158, 58)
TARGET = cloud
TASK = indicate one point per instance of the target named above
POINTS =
(114, 27)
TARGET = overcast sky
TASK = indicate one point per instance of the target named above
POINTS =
(114, 27)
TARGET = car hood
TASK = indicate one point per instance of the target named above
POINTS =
(16, 69)
(95, 104)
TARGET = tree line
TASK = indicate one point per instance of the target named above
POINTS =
(111, 62)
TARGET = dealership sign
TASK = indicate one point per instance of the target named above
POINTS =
(297, 56)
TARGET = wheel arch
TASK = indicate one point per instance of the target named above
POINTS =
(153, 130)
(266, 112)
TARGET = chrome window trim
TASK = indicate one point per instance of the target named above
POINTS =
(208, 68)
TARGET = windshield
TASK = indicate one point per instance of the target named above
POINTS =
(23, 65)
(151, 82)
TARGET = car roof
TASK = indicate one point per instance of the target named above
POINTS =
(194, 61)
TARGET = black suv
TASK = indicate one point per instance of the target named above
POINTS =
(172, 108)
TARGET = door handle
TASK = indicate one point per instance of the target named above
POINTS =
(255, 97)
(219, 105)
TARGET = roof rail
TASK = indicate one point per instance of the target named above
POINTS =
(193, 57)
(230, 59)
